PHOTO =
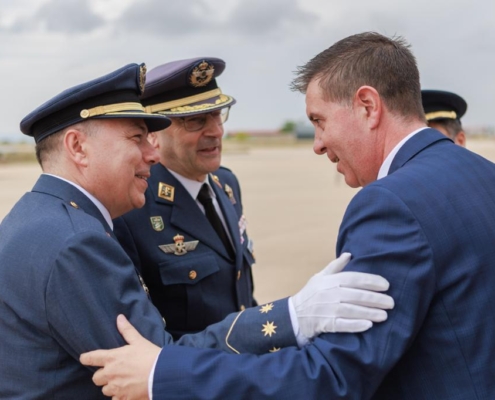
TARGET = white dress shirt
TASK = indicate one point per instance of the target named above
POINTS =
(383, 172)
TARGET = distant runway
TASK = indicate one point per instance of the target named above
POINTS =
(293, 201)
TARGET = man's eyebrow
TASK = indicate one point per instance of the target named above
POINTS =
(141, 126)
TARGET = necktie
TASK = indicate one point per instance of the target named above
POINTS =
(205, 199)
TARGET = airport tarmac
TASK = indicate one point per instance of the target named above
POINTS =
(293, 200)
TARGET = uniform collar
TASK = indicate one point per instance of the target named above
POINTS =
(93, 199)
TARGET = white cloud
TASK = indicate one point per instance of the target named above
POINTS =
(66, 42)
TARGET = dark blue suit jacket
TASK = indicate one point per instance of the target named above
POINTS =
(428, 228)
(64, 278)
(221, 285)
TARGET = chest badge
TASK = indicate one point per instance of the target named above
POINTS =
(230, 194)
(157, 223)
(179, 247)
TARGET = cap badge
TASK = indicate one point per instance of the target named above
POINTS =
(179, 247)
(230, 193)
(202, 74)
(166, 191)
(157, 223)
(142, 77)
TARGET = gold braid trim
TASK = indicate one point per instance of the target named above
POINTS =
(230, 331)
(112, 109)
(441, 114)
(183, 102)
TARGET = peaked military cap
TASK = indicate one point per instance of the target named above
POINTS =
(115, 95)
(185, 87)
(439, 104)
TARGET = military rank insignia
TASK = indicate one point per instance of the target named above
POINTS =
(230, 194)
(157, 223)
(179, 247)
(216, 180)
(242, 227)
(201, 74)
(166, 191)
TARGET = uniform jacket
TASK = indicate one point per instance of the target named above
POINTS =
(201, 286)
(428, 228)
(64, 278)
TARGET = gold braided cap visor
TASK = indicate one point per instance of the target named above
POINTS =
(188, 105)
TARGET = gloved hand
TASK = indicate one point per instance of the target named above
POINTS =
(334, 301)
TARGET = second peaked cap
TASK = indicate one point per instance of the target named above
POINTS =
(185, 87)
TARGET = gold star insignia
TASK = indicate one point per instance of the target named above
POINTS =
(269, 328)
(275, 349)
(266, 308)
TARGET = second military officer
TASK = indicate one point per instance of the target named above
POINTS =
(443, 112)
(190, 240)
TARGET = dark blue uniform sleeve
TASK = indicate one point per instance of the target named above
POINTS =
(93, 281)
(384, 238)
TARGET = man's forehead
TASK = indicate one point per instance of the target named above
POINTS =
(125, 124)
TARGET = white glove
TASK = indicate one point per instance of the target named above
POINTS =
(334, 301)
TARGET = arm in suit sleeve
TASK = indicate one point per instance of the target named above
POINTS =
(384, 238)
(93, 281)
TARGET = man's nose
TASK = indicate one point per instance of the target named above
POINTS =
(150, 153)
(318, 146)
(213, 127)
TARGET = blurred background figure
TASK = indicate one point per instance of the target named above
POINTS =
(443, 111)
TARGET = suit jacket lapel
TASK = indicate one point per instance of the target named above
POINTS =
(70, 194)
(185, 213)
(415, 145)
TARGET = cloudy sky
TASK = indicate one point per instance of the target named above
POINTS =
(49, 45)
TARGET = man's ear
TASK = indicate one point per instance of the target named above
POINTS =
(369, 103)
(460, 139)
(75, 144)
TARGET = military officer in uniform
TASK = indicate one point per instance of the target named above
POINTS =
(195, 259)
(443, 111)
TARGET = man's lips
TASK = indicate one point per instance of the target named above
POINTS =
(143, 176)
(208, 149)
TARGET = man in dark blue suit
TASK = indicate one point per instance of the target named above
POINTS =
(64, 277)
(424, 219)
(211, 277)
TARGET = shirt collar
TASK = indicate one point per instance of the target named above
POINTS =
(383, 172)
(192, 187)
(95, 201)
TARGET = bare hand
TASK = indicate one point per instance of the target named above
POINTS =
(126, 369)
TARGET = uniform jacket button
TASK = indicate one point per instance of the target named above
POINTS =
(192, 275)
